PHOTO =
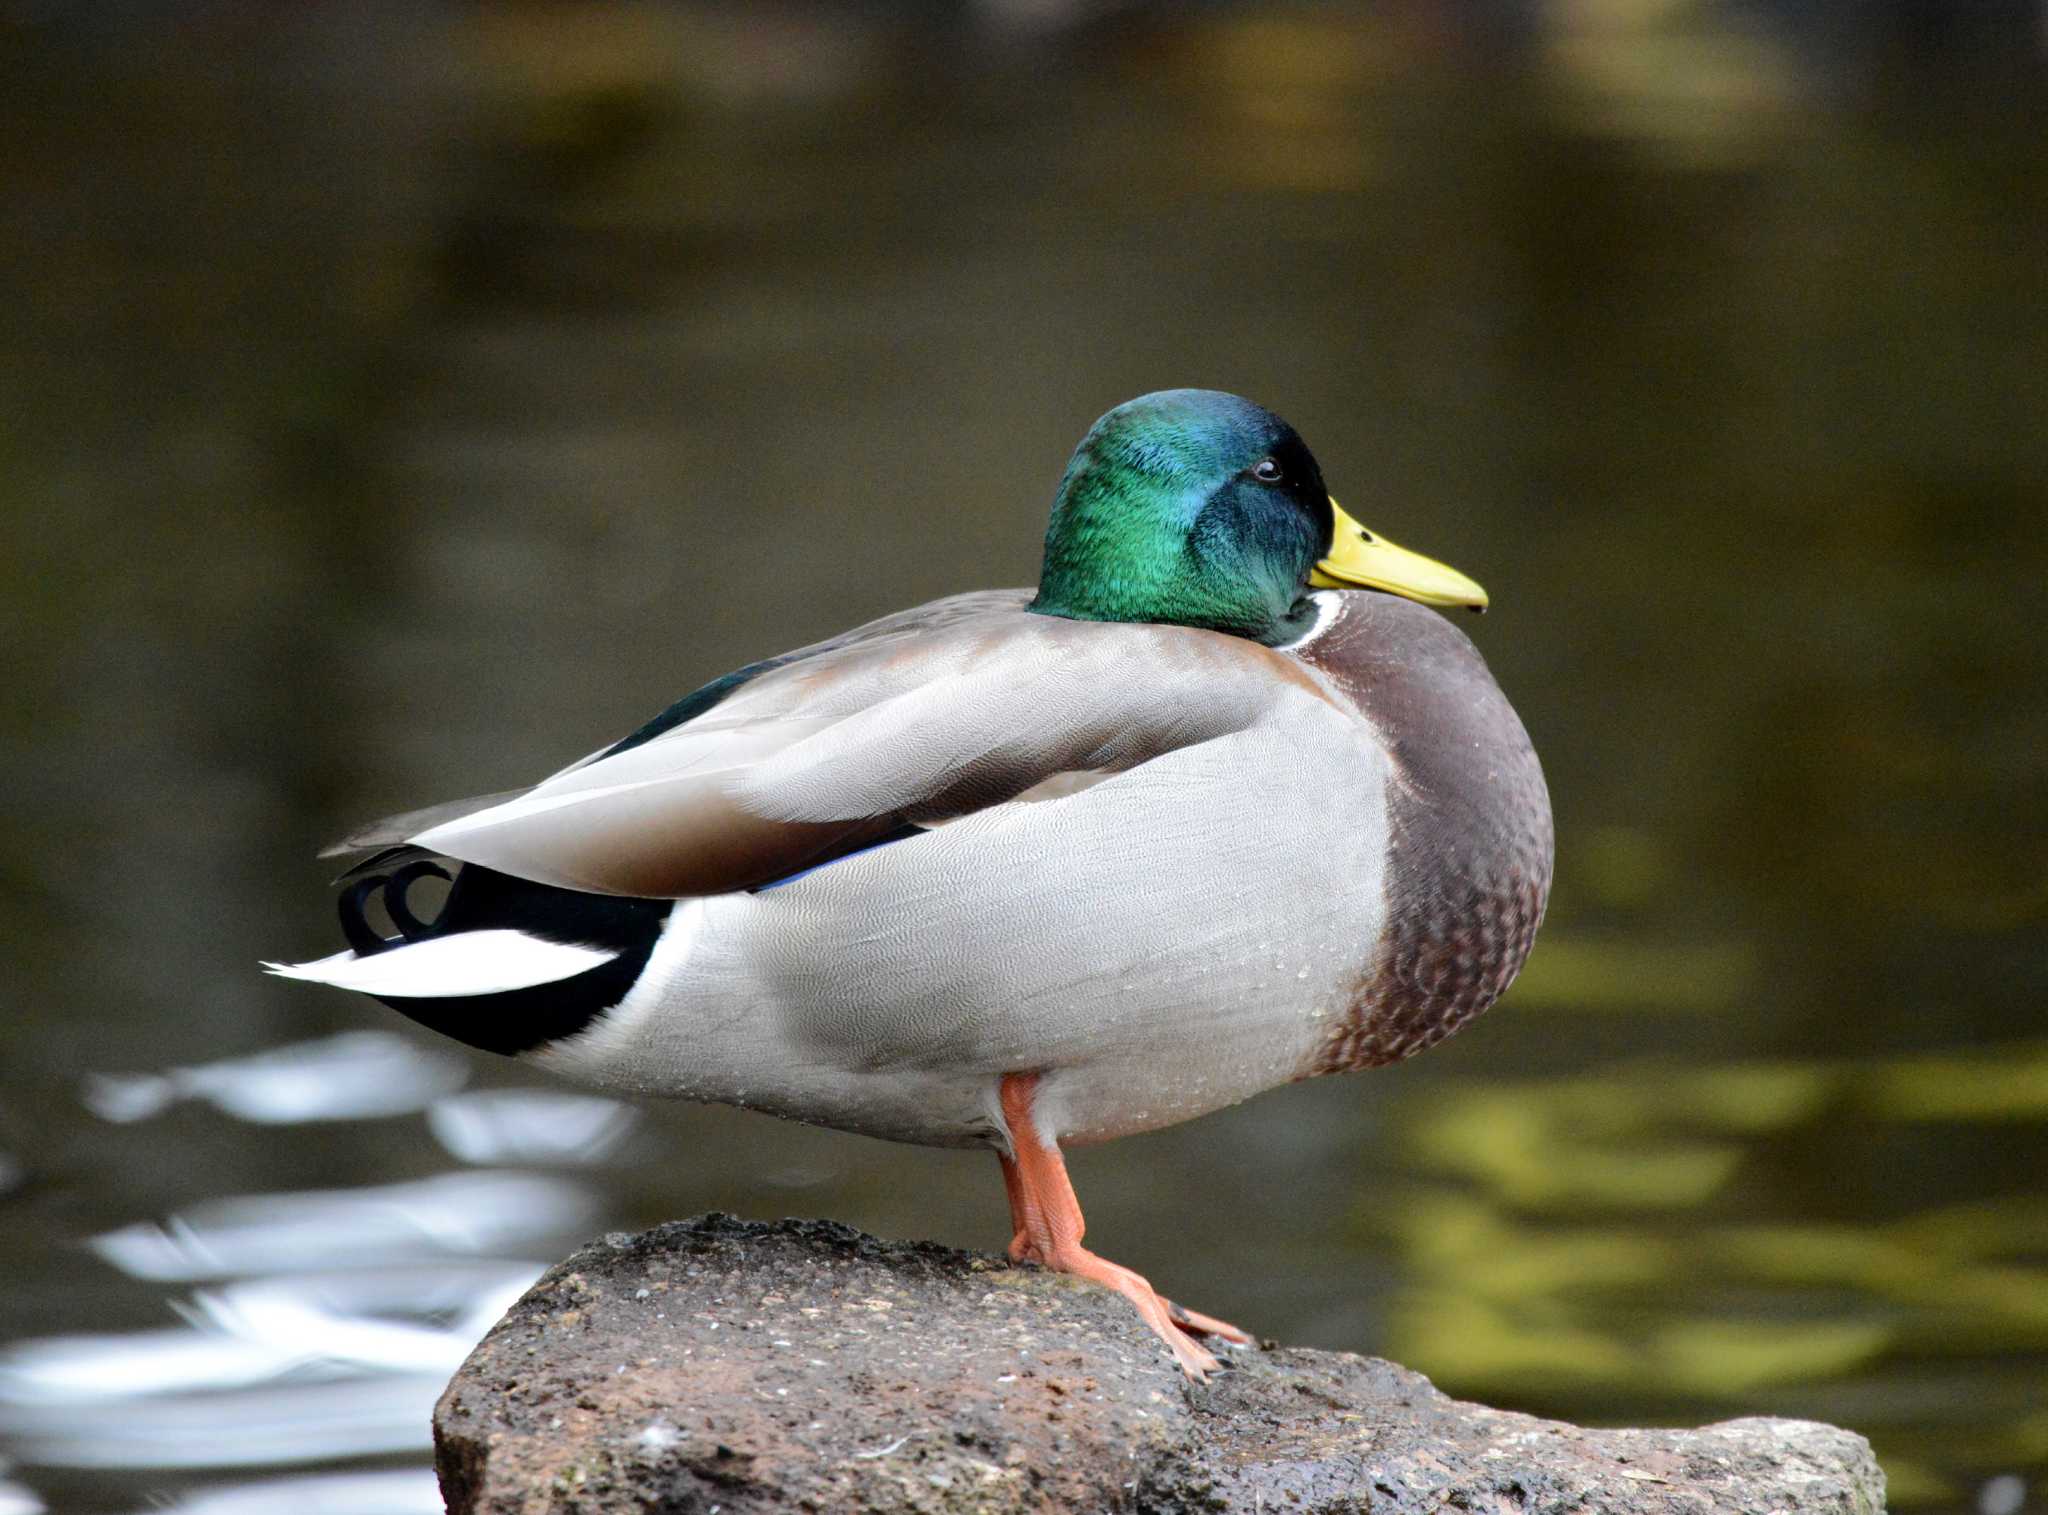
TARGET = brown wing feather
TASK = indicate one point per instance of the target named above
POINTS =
(393, 830)
(919, 719)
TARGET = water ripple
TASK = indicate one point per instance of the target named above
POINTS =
(451, 1214)
(354, 1076)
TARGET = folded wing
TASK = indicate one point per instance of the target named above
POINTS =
(918, 719)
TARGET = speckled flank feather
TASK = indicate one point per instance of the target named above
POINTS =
(1469, 847)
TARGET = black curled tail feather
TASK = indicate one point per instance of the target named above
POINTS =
(393, 886)
(482, 899)
(410, 926)
(362, 939)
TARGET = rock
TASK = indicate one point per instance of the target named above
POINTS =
(718, 1364)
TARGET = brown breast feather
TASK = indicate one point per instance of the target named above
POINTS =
(1470, 847)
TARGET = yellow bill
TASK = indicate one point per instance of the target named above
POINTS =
(1364, 559)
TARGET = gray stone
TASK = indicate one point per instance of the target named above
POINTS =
(721, 1364)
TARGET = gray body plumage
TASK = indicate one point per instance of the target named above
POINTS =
(1166, 868)
(1162, 868)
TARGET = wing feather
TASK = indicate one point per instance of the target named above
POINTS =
(396, 830)
(908, 720)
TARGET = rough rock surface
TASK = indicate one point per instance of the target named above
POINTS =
(717, 1364)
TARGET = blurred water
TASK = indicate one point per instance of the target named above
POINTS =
(401, 404)
(353, 1076)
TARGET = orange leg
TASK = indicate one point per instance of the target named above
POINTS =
(1048, 1225)
(1023, 1214)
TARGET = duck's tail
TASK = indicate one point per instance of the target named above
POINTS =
(505, 965)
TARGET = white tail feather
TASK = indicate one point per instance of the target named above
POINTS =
(467, 962)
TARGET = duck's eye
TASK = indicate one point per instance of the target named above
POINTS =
(1268, 471)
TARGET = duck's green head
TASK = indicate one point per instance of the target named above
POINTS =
(1199, 508)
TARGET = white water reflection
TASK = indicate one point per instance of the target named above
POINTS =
(360, 1318)
(18, 1499)
(266, 1372)
(404, 1491)
(453, 1214)
(356, 1075)
(81, 1370)
(530, 1126)
(331, 1319)
(265, 1426)
(306, 1328)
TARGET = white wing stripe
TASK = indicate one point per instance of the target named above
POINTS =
(469, 962)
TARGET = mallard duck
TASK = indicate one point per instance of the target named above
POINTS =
(1220, 806)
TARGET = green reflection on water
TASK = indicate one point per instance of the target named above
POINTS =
(1579, 974)
(1597, 1241)
(2007, 1084)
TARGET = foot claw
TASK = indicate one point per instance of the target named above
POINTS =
(1206, 1325)
(1161, 1314)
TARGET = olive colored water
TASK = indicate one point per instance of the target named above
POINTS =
(398, 410)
